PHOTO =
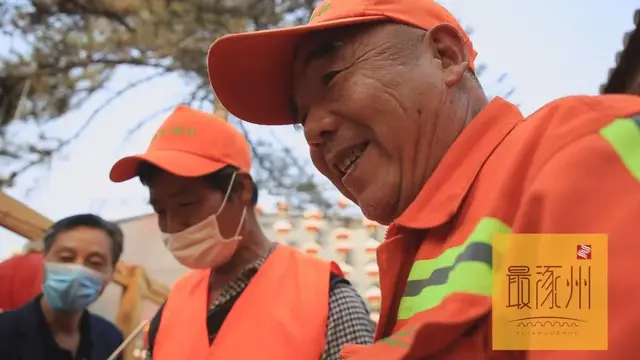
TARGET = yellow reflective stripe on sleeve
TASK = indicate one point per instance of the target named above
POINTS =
(624, 136)
(466, 268)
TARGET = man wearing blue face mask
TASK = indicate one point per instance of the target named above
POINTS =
(80, 256)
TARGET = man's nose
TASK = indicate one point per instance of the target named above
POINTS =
(320, 126)
(169, 225)
(174, 227)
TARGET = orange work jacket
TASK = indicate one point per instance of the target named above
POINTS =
(282, 314)
(571, 167)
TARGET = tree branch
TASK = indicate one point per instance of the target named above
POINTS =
(66, 50)
(44, 155)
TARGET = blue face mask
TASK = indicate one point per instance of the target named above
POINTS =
(71, 287)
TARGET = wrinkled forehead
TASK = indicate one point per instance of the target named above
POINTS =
(83, 240)
(166, 185)
(322, 43)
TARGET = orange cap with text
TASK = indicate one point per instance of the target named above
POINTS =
(190, 143)
(251, 73)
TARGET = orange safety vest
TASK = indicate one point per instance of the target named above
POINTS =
(282, 314)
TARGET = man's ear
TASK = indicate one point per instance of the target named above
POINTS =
(448, 47)
(244, 188)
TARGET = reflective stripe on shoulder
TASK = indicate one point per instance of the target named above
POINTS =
(466, 268)
(624, 136)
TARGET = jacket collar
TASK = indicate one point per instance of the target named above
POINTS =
(442, 195)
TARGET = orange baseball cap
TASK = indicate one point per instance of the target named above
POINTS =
(189, 143)
(251, 73)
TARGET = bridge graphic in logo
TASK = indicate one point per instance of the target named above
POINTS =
(547, 321)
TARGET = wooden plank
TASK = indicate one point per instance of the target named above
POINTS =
(130, 311)
(21, 219)
(220, 110)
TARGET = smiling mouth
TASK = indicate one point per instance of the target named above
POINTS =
(348, 162)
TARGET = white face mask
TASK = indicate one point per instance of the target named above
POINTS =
(201, 246)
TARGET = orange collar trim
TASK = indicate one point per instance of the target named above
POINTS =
(442, 195)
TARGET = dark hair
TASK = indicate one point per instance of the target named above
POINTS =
(88, 220)
(218, 180)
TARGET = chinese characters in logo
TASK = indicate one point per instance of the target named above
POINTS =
(549, 286)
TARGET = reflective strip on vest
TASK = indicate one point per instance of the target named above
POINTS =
(624, 136)
(465, 268)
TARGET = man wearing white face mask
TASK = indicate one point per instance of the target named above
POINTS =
(246, 297)
(80, 253)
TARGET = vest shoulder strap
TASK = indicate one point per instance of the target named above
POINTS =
(335, 280)
(154, 325)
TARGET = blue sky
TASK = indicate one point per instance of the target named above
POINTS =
(548, 48)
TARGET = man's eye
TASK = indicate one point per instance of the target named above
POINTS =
(96, 264)
(326, 78)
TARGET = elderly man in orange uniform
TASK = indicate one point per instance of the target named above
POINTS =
(395, 117)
